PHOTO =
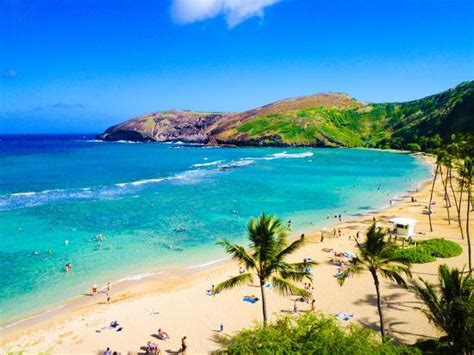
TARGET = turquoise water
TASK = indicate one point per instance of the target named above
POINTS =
(161, 204)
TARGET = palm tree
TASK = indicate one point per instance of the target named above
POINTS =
(450, 306)
(378, 257)
(445, 161)
(266, 259)
(466, 172)
(439, 158)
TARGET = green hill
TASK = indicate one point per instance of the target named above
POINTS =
(329, 120)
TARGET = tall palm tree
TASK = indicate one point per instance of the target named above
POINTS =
(450, 306)
(466, 171)
(266, 259)
(378, 257)
(439, 159)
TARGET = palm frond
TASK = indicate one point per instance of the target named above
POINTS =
(356, 266)
(234, 281)
(296, 275)
(238, 253)
(288, 288)
(290, 249)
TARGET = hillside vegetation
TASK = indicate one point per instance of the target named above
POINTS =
(329, 120)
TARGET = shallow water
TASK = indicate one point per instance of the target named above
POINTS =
(161, 205)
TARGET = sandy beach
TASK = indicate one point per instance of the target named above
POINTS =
(177, 302)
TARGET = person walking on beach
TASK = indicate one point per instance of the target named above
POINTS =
(94, 289)
(108, 286)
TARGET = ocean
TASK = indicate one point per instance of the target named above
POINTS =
(159, 205)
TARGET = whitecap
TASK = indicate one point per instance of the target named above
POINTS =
(207, 164)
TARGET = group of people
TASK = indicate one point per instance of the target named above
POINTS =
(95, 291)
(153, 348)
(109, 352)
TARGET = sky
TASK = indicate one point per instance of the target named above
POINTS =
(80, 66)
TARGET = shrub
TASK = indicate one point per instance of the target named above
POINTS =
(309, 334)
(441, 248)
(414, 147)
(428, 250)
(416, 255)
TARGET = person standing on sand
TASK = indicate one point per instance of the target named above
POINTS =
(94, 289)
(313, 306)
(108, 286)
(184, 346)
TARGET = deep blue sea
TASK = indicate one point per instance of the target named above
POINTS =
(161, 204)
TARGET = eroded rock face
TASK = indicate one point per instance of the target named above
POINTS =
(186, 126)
(215, 128)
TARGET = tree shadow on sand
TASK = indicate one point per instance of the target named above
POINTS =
(391, 328)
(392, 302)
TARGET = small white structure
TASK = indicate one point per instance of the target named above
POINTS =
(404, 226)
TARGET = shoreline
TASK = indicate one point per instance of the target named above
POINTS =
(135, 286)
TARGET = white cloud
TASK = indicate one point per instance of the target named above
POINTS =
(234, 11)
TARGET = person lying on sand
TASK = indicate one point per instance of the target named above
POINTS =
(162, 335)
(152, 348)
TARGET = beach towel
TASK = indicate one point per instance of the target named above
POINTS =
(249, 300)
(344, 316)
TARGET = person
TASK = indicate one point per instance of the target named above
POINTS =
(313, 305)
(340, 218)
(339, 232)
(357, 235)
(295, 307)
(213, 290)
(221, 328)
(162, 335)
(322, 236)
(107, 351)
(108, 297)
(108, 286)
(184, 345)
(94, 289)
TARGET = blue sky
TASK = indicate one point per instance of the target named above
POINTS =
(80, 66)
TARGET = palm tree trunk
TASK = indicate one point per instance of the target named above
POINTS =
(379, 303)
(431, 197)
(446, 198)
(456, 202)
(264, 303)
(467, 225)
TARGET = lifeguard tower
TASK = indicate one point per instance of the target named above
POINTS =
(404, 227)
